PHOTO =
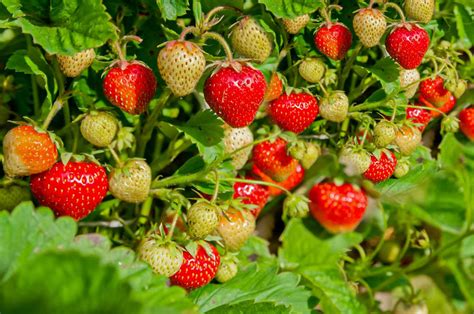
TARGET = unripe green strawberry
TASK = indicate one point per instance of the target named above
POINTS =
(334, 106)
(131, 183)
(163, 257)
(389, 252)
(227, 269)
(449, 124)
(356, 161)
(401, 169)
(305, 152)
(460, 88)
(407, 139)
(181, 64)
(296, 24)
(296, 206)
(235, 227)
(369, 25)
(409, 81)
(250, 40)
(99, 128)
(420, 10)
(234, 139)
(312, 69)
(12, 195)
(203, 219)
(73, 65)
(384, 133)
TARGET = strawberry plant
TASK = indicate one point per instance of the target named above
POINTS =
(261, 156)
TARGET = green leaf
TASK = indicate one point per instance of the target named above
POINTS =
(299, 238)
(255, 250)
(259, 285)
(63, 26)
(291, 8)
(192, 165)
(171, 9)
(332, 289)
(203, 128)
(33, 62)
(387, 72)
(464, 25)
(26, 231)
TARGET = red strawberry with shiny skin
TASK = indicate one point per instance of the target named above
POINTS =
(381, 169)
(419, 116)
(466, 122)
(433, 91)
(74, 189)
(446, 107)
(294, 112)
(197, 271)
(407, 44)
(234, 95)
(333, 40)
(295, 178)
(252, 194)
(130, 86)
(338, 208)
(273, 160)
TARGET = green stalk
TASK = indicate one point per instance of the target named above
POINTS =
(347, 67)
(34, 86)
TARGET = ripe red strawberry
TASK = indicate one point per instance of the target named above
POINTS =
(446, 107)
(274, 89)
(252, 194)
(74, 189)
(130, 86)
(296, 24)
(419, 116)
(250, 40)
(294, 112)
(181, 64)
(420, 10)
(334, 106)
(312, 69)
(73, 65)
(197, 271)
(236, 139)
(295, 178)
(131, 183)
(407, 44)
(235, 227)
(337, 208)
(369, 25)
(28, 151)
(466, 119)
(333, 40)
(407, 139)
(381, 169)
(433, 91)
(235, 95)
(273, 160)
(202, 219)
(99, 128)
(163, 257)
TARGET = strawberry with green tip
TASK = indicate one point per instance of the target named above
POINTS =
(130, 86)
(235, 227)
(407, 139)
(369, 25)
(384, 133)
(198, 270)
(293, 180)
(294, 25)
(99, 128)
(381, 167)
(420, 10)
(312, 69)
(181, 64)
(334, 106)
(294, 112)
(237, 141)
(271, 158)
(28, 151)
(131, 182)
(73, 189)
(274, 88)
(338, 208)
(407, 44)
(165, 258)
(235, 93)
(12, 195)
(73, 65)
(203, 218)
(250, 40)
(466, 122)
(333, 40)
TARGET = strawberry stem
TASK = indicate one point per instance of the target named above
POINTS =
(173, 225)
(257, 182)
(115, 156)
(222, 42)
(397, 8)
(325, 93)
(216, 188)
(210, 14)
(57, 106)
(120, 51)
(190, 29)
(394, 111)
